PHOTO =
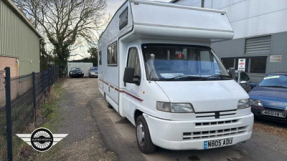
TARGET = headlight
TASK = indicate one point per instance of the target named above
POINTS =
(242, 104)
(254, 102)
(174, 107)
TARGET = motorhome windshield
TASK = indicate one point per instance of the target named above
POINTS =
(182, 63)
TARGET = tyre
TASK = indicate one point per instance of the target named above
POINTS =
(143, 136)
(109, 105)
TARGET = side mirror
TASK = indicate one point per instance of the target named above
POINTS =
(129, 76)
(232, 72)
(252, 85)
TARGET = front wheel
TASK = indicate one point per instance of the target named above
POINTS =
(143, 136)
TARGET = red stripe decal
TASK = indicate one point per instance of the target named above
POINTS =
(135, 97)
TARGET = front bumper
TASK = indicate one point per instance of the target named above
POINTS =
(76, 75)
(186, 135)
(93, 75)
(256, 111)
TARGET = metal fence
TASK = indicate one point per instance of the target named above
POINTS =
(19, 99)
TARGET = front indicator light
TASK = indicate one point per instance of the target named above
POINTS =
(254, 102)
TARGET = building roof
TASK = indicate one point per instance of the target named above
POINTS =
(15, 9)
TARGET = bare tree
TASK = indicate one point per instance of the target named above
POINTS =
(64, 22)
(30, 8)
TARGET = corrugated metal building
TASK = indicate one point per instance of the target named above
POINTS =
(260, 28)
(19, 41)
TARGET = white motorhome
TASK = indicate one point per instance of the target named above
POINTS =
(156, 68)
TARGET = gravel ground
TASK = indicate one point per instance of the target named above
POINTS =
(99, 133)
(84, 141)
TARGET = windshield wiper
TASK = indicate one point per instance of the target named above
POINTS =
(218, 76)
(185, 77)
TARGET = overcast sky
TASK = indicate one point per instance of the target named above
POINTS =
(112, 7)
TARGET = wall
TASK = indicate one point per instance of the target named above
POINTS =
(250, 17)
(236, 48)
(18, 40)
(2, 88)
(10, 62)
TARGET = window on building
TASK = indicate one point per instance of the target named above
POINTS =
(252, 64)
(228, 62)
(112, 54)
(123, 19)
(133, 61)
(258, 65)
(100, 58)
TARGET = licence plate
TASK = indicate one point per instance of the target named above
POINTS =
(217, 143)
(273, 113)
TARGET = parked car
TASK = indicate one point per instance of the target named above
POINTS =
(269, 99)
(76, 73)
(243, 80)
(93, 72)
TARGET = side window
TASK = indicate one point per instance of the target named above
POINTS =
(100, 58)
(123, 19)
(112, 54)
(133, 61)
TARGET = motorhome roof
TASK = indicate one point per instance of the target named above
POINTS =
(169, 21)
(177, 6)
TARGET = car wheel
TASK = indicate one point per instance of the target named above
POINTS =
(143, 136)
(109, 105)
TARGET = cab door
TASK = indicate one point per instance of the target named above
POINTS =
(133, 90)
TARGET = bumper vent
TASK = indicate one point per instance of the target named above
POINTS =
(216, 114)
(214, 133)
(215, 123)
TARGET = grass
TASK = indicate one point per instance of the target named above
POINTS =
(49, 118)
(50, 109)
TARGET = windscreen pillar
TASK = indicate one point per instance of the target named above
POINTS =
(202, 3)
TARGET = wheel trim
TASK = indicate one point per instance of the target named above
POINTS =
(140, 134)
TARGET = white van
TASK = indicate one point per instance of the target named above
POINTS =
(156, 68)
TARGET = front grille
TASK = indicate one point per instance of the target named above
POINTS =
(215, 123)
(215, 114)
(214, 133)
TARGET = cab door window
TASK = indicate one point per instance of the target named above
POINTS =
(133, 61)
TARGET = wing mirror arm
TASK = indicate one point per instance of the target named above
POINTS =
(232, 73)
